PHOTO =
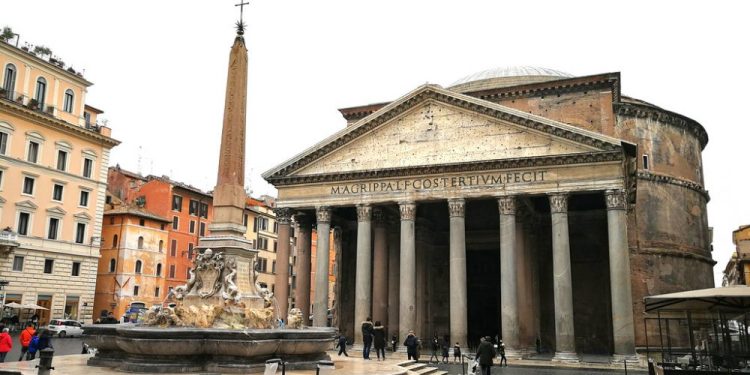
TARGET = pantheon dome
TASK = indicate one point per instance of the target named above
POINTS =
(506, 77)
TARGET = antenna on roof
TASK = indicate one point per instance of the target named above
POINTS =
(140, 157)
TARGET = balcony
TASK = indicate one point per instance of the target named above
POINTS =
(8, 241)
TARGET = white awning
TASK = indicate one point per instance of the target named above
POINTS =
(734, 298)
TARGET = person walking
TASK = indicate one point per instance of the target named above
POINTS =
(367, 337)
(394, 340)
(6, 343)
(485, 353)
(341, 344)
(378, 338)
(435, 346)
(501, 349)
(411, 343)
(25, 339)
(446, 346)
(456, 352)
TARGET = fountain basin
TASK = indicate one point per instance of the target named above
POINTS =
(136, 348)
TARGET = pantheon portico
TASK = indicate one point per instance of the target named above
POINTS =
(523, 203)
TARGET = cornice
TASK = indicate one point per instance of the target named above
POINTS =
(664, 179)
(27, 58)
(677, 254)
(55, 123)
(446, 97)
(638, 110)
(609, 80)
(499, 164)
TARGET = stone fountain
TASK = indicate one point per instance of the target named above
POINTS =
(222, 320)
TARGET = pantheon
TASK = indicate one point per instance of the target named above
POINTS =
(520, 202)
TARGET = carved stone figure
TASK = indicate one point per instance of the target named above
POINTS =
(294, 320)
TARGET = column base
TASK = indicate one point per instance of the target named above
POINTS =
(566, 357)
(630, 359)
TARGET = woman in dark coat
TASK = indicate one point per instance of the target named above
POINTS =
(378, 333)
(411, 343)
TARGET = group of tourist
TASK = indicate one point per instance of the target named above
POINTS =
(374, 334)
(30, 339)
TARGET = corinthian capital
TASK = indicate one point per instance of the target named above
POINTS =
(558, 202)
(456, 207)
(283, 215)
(615, 199)
(507, 205)
(408, 210)
(364, 212)
(323, 214)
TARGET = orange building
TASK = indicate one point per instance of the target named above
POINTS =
(188, 209)
(133, 259)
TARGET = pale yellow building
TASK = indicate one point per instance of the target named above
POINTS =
(53, 175)
(262, 231)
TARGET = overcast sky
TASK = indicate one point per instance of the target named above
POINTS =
(159, 70)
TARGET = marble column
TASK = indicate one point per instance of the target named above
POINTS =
(562, 280)
(619, 275)
(408, 272)
(393, 278)
(302, 287)
(380, 269)
(508, 275)
(457, 273)
(320, 307)
(281, 279)
(363, 278)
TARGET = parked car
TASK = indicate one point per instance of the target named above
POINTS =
(65, 327)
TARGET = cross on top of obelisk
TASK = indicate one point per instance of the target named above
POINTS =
(240, 24)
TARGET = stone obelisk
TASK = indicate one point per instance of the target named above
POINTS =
(227, 230)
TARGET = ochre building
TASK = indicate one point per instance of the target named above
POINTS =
(519, 202)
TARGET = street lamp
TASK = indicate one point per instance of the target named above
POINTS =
(3, 284)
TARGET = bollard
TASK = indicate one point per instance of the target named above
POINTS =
(45, 361)
(325, 368)
(272, 366)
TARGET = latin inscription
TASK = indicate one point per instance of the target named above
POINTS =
(432, 183)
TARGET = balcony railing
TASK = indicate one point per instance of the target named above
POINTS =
(49, 110)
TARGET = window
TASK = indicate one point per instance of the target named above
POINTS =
(17, 263)
(48, 264)
(138, 266)
(171, 271)
(88, 166)
(273, 267)
(1, 178)
(33, 153)
(244, 220)
(173, 248)
(114, 241)
(62, 160)
(3, 143)
(161, 245)
(112, 264)
(23, 223)
(111, 218)
(84, 202)
(192, 226)
(156, 292)
(54, 224)
(204, 210)
(187, 273)
(262, 243)
(158, 269)
(136, 289)
(175, 222)
(645, 161)
(190, 251)
(274, 246)
(176, 203)
(202, 231)
(142, 222)
(68, 101)
(10, 80)
(28, 185)
(193, 207)
(80, 232)
(87, 118)
(260, 223)
(41, 91)
(57, 192)
(76, 271)
(275, 227)
(140, 242)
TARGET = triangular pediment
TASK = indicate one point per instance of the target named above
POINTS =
(57, 210)
(435, 127)
(29, 205)
(82, 216)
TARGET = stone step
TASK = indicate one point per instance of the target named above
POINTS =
(426, 370)
(414, 367)
(406, 363)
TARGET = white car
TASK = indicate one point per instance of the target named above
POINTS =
(65, 327)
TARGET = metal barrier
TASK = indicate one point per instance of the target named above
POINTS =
(272, 367)
(324, 368)
(45, 361)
